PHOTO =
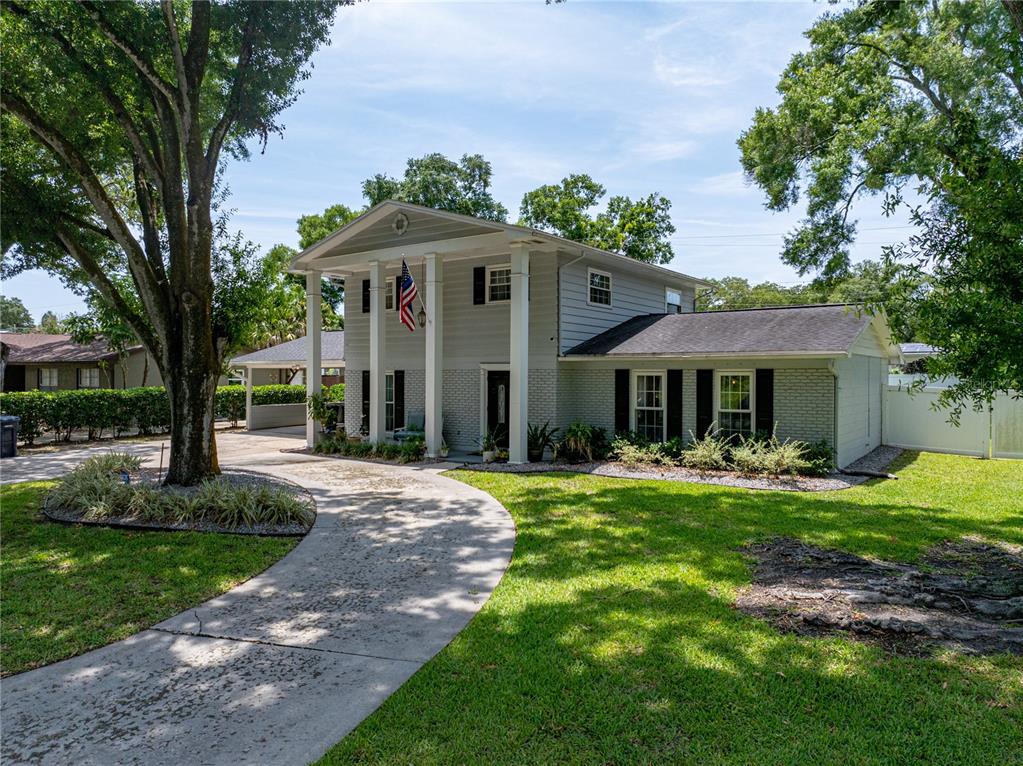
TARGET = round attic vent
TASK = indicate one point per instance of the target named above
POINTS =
(400, 224)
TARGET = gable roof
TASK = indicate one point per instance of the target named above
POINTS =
(825, 330)
(293, 352)
(43, 348)
(372, 230)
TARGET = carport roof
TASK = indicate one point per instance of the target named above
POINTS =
(292, 353)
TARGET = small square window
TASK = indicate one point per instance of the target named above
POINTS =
(88, 377)
(498, 284)
(599, 288)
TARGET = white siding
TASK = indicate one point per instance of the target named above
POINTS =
(631, 295)
(861, 381)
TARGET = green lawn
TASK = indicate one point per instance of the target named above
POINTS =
(611, 638)
(67, 589)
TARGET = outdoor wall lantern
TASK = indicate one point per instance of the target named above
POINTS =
(422, 317)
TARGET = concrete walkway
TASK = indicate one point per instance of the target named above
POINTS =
(282, 667)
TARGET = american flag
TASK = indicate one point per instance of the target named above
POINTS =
(408, 294)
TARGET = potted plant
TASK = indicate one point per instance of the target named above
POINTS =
(443, 448)
(538, 439)
(488, 445)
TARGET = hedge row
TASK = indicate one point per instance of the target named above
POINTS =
(120, 410)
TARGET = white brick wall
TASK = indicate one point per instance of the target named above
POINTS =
(688, 404)
(461, 408)
(587, 395)
(804, 404)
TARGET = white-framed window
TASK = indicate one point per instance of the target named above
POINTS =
(49, 379)
(672, 301)
(389, 401)
(648, 417)
(498, 283)
(734, 397)
(88, 377)
(599, 288)
(389, 295)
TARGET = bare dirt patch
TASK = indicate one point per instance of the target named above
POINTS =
(966, 595)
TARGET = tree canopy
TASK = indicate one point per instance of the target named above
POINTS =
(14, 317)
(115, 119)
(640, 229)
(922, 97)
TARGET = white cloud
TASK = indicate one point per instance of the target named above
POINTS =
(733, 184)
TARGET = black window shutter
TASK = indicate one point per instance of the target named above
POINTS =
(365, 400)
(621, 400)
(397, 292)
(674, 402)
(764, 394)
(479, 285)
(399, 398)
(365, 296)
(704, 401)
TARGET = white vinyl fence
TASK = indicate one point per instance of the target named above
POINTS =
(911, 422)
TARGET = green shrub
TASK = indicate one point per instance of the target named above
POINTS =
(31, 407)
(150, 408)
(387, 451)
(538, 439)
(628, 452)
(706, 454)
(820, 458)
(411, 450)
(229, 403)
(583, 442)
(276, 394)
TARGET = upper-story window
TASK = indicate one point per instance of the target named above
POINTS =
(498, 284)
(389, 295)
(672, 300)
(599, 287)
(49, 379)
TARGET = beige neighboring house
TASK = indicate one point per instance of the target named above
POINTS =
(39, 361)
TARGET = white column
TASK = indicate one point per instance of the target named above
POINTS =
(518, 408)
(248, 398)
(434, 353)
(313, 326)
(377, 330)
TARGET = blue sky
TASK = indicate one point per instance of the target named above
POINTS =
(643, 97)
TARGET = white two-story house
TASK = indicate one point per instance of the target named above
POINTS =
(516, 327)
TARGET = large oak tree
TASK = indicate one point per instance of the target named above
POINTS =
(923, 96)
(116, 119)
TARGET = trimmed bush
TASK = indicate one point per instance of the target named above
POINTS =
(118, 410)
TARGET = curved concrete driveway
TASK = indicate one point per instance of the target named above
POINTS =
(282, 667)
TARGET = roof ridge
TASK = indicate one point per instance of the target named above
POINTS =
(773, 308)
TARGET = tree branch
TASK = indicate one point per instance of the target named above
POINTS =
(134, 55)
(230, 111)
(198, 45)
(121, 114)
(179, 61)
(1015, 10)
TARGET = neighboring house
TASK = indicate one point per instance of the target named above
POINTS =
(517, 326)
(285, 362)
(38, 361)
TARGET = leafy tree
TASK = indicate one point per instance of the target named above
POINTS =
(443, 184)
(730, 293)
(914, 95)
(49, 323)
(311, 229)
(115, 120)
(640, 229)
(14, 317)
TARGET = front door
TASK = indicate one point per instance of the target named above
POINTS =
(498, 386)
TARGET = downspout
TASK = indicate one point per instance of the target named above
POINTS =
(834, 409)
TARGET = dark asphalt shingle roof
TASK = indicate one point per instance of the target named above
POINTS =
(332, 347)
(784, 330)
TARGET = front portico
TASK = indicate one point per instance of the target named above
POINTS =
(367, 254)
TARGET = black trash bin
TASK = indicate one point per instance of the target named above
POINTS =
(9, 427)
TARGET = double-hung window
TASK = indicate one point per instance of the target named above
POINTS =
(389, 401)
(498, 284)
(389, 296)
(672, 300)
(648, 415)
(49, 379)
(735, 403)
(599, 292)
(88, 377)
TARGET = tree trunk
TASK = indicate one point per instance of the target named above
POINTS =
(191, 369)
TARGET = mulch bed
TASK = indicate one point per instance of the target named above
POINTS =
(965, 595)
(877, 460)
(236, 477)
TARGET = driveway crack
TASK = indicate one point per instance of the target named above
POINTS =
(200, 634)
